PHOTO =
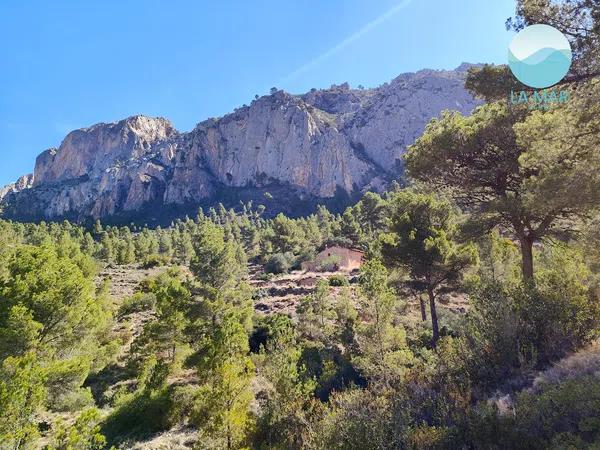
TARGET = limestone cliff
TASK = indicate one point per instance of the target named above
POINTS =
(311, 147)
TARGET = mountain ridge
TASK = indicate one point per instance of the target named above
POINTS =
(324, 146)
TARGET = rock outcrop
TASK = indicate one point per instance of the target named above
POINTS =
(24, 182)
(309, 148)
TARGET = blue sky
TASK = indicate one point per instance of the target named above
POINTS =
(70, 64)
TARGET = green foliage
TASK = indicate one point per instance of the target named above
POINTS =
(148, 409)
(357, 420)
(217, 262)
(225, 371)
(276, 329)
(163, 338)
(315, 311)
(338, 280)
(58, 297)
(138, 415)
(556, 416)
(19, 332)
(383, 353)
(222, 407)
(287, 236)
(492, 83)
(499, 258)
(505, 166)
(155, 260)
(439, 393)
(329, 264)
(280, 263)
(423, 239)
(84, 434)
(54, 330)
(516, 328)
(22, 393)
(569, 411)
(350, 227)
(138, 302)
(63, 382)
(289, 404)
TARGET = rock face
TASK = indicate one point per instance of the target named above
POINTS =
(326, 144)
(24, 182)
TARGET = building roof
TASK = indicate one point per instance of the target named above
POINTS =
(354, 249)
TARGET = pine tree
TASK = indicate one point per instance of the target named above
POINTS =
(383, 353)
(422, 239)
(225, 372)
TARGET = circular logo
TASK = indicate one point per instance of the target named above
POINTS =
(539, 56)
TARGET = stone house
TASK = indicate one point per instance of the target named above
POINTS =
(345, 259)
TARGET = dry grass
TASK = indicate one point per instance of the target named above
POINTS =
(181, 438)
(583, 363)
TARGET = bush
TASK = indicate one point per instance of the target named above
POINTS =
(74, 400)
(518, 328)
(357, 419)
(63, 382)
(329, 264)
(277, 327)
(260, 294)
(155, 261)
(338, 280)
(83, 434)
(140, 414)
(265, 276)
(280, 263)
(572, 406)
(138, 302)
(583, 363)
(565, 415)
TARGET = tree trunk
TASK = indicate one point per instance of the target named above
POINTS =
(423, 310)
(434, 318)
(527, 258)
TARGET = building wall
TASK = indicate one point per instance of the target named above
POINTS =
(349, 259)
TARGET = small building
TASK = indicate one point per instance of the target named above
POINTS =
(336, 258)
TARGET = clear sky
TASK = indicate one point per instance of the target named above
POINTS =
(70, 64)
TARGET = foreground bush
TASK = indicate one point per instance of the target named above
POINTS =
(559, 416)
(514, 329)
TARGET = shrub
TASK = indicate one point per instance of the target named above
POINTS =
(138, 302)
(63, 382)
(155, 261)
(74, 400)
(565, 415)
(265, 276)
(277, 327)
(516, 328)
(329, 264)
(259, 294)
(83, 434)
(139, 414)
(280, 263)
(572, 406)
(357, 419)
(338, 280)
(583, 363)
(428, 437)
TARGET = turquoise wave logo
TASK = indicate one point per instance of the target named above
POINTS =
(539, 56)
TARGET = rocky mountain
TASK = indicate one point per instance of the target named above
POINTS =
(24, 182)
(326, 146)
